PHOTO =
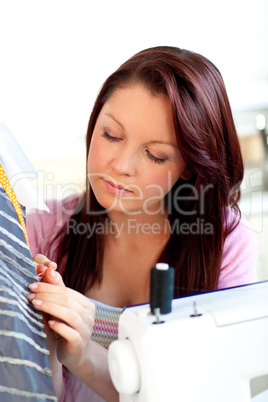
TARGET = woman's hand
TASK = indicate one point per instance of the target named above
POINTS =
(69, 320)
(42, 263)
(72, 316)
(46, 272)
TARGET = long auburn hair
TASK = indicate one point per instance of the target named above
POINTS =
(209, 145)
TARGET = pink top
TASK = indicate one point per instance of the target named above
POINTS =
(238, 267)
(239, 259)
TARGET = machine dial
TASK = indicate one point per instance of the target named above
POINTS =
(124, 367)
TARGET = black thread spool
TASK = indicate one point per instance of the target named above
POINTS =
(161, 288)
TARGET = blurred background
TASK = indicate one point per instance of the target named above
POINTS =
(55, 55)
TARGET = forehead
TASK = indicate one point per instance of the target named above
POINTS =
(135, 89)
(135, 107)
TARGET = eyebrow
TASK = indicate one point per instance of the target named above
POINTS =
(118, 122)
(163, 142)
(150, 142)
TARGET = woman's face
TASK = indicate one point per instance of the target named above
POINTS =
(134, 158)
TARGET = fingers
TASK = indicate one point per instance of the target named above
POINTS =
(42, 263)
(53, 277)
(68, 311)
(71, 302)
(75, 316)
(46, 291)
(41, 259)
(65, 331)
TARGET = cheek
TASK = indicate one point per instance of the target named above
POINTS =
(95, 157)
(175, 174)
(159, 183)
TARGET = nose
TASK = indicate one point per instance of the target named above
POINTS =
(124, 162)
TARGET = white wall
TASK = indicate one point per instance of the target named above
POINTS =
(55, 54)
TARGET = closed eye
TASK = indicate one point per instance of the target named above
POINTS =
(153, 158)
(110, 137)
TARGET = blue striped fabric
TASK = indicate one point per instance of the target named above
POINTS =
(25, 374)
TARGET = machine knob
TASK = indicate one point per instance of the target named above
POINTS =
(124, 367)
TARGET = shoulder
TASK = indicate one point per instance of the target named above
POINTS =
(240, 251)
(42, 226)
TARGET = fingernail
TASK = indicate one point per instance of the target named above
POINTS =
(31, 296)
(52, 274)
(37, 302)
(33, 286)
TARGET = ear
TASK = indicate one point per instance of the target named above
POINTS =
(186, 174)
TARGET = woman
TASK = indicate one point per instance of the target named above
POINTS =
(164, 168)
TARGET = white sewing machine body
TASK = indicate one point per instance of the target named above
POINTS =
(189, 357)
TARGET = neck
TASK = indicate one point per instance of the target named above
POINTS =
(139, 225)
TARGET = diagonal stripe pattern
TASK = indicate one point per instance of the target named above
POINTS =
(25, 374)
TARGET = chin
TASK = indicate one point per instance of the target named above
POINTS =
(117, 205)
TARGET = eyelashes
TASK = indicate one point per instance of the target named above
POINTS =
(159, 161)
(110, 137)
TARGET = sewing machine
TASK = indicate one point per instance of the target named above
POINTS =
(207, 349)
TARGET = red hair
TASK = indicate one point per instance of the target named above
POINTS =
(208, 142)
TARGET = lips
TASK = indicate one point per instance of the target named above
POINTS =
(116, 188)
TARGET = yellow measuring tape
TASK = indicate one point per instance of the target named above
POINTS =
(12, 196)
